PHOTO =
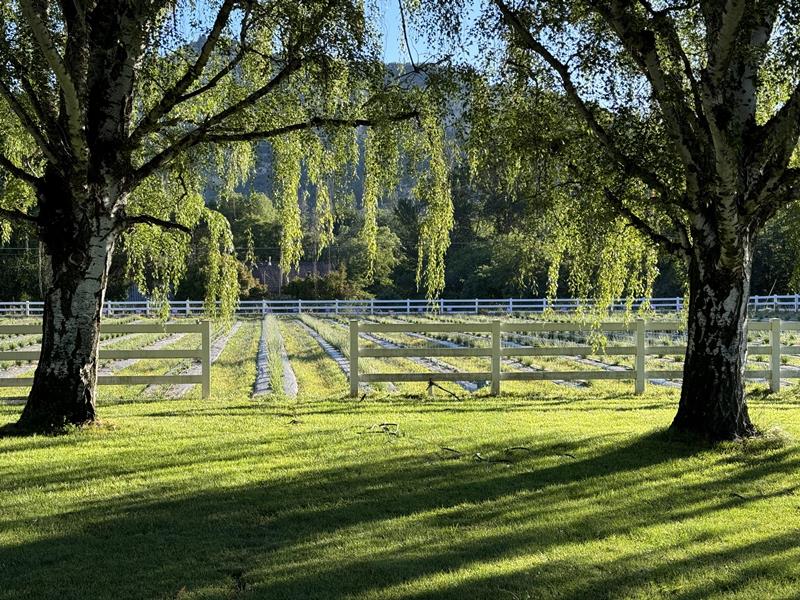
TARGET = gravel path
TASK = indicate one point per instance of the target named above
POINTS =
(217, 346)
(117, 365)
(262, 384)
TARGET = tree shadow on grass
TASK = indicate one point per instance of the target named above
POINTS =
(401, 526)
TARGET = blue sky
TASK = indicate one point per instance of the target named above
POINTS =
(393, 46)
(389, 23)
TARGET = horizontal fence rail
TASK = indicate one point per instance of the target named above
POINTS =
(495, 351)
(201, 354)
(778, 303)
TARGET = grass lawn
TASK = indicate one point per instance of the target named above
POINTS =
(554, 493)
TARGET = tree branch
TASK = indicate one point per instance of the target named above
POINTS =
(249, 136)
(43, 112)
(722, 19)
(129, 221)
(405, 34)
(779, 135)
(173, 95)
(628, 164)
(198, 135)
(669, 244)
(684, 126)
(783, 191)
(18, 215)
(56, 63)
(19, 172)
(27, 122)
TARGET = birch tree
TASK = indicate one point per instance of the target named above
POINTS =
(113, 113)
(696, 109)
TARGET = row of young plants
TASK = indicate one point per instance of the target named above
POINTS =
(274, 344)
(140, 366)
(335, 331)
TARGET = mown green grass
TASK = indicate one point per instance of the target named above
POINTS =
(553, 493)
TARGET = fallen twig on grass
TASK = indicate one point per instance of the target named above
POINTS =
(432, 384)
(480, 458)
(454, 451)
(387, 428)
(516, 449)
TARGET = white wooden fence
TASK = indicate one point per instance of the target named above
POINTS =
(496, 352)
(202, 354)
(781, 303)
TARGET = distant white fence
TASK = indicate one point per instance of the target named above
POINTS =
(785, 303)
(496, 352)
(202, 354)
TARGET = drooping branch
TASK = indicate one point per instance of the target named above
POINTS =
(314, 122)
(18, 215)
(667, 243)
(630, 166)
(405, 34)
(174, 94)
(198, 134)
(19, 172)
(56, 63)
(26, 120)
(130, 221)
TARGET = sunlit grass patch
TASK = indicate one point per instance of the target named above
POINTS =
(545, 492)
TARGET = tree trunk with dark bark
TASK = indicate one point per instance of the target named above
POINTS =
(65, 382)
(712, 404)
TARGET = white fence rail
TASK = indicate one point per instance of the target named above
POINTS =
(496, 352)
(202, 354)
(778, 303)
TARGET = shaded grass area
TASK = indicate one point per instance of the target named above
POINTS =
(553, 493)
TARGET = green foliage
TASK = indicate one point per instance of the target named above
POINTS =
(527, 149)
(331, 286)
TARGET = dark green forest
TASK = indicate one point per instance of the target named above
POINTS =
(485, 259)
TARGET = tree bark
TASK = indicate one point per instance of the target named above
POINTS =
(712, 404)
(65, 382)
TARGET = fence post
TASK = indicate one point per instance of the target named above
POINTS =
(495, 357)
(27, 308)
(337, 306)
(353, 358)
(775, 355)
(408, 306)
(205, 361)
(640, 356)
(511, 305)
(299, 306)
